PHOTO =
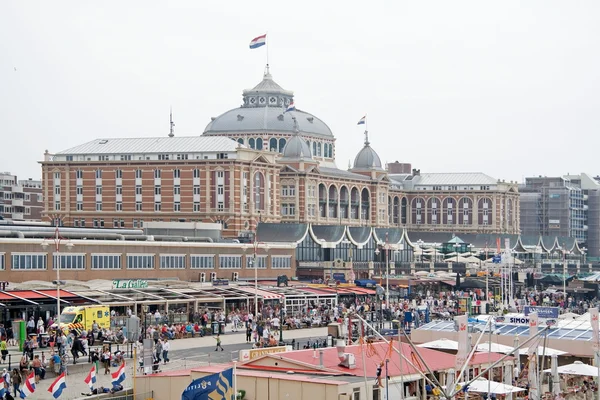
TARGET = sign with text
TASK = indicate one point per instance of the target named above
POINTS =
(595, 327)
(129, 284)
(220, 282)
(542, 312)
(461, 323)
(248, 355)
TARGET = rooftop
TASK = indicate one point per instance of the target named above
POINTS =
(458, 178)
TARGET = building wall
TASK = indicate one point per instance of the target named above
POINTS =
(80, 265)
(20, 200)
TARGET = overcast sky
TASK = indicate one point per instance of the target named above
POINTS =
(510, 88)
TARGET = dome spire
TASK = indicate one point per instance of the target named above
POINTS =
(367, 143)
(267, 71)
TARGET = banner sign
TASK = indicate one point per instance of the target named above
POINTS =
(247, 355)
(129, 284)
(220, 282)
(542, 312)
(533, 348)
(461, 323)
(594, 322)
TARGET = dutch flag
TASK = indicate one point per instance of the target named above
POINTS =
(291, 107)
(58, 386)
(90, 379)
(2, 388)
(119, 375)
(28, 386)
(362, 121)
(258, 41)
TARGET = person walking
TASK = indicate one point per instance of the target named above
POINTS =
(248, 332)
(218, 339)
(3, 349)
(166, 346)
(106, 360)
(158, 350)
(15, 377)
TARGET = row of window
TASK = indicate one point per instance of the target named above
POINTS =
(138, 172)
(38, 261)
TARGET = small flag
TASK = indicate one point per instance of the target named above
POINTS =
(119, 375)
(362, 121)
(57, 387)
(2, 388)
(214, 386)
(291, 107)
(28, 386)
(258, 41)
(90, 379)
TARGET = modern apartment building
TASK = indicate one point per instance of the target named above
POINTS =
(20, 199)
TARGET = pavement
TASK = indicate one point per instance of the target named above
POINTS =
(184, 354)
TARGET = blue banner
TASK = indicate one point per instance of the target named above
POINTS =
(217, 386)
(543, 312)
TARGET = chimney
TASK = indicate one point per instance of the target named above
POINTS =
(398, 168)
(321, 353)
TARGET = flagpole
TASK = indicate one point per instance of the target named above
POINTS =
(135, 363)
(267, 41)
(366, 125)
(234, 380)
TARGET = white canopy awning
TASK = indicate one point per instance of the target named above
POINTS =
(577, 368)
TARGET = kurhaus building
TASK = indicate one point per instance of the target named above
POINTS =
(257, 163)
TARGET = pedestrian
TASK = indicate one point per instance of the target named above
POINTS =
(106, 360)
(248, 332)
(158, 350)
(218, 339)
(30, 326)
(3, 349)
(15, 377)
(166, 346)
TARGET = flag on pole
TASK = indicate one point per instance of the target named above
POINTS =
(215, 386)
(2, 388)
(119, 375)
(291, 107)
(28, 386)
(57, 387)
(90, 379)
(258, 41)
(362, 121)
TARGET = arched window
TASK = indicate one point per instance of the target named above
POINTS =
(365, 199)
(259, 191)
(240, 140)
(509, 213)
(449, 210)
(282, 143)
(314, 153)
(273, 144)
(252, 143)
(259, 144)
(333, 202)
(322, 200)
(465, 210)
(434, 206)
(354, 203)
(404, 211)
(418, 211)
(319, 149)
(484, 208)
(344, 202)
(396, 211)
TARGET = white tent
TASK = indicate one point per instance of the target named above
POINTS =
(441, 344)
(495, 348)
(577, 368)
(481, 386)
(548, 352)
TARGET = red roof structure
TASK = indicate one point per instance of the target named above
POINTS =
(374, 355)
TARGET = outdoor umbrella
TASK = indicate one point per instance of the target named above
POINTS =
(441, 344)
(548, 352)
(577, 368)
(495, 348)
(481, 386)
(555, 377)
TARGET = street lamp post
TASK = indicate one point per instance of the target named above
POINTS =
(57, 239)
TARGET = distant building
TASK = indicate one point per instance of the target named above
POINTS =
(563, 206)
(20, 200)
(265, 161)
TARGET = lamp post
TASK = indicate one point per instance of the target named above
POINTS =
(45, 244)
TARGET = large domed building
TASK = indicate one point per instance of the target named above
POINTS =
(265, 161)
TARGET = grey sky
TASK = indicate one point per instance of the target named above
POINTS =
(507, 88)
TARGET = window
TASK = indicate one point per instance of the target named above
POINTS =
(57, 205)
(177, 189)
(279, 262)
(82, 223)
(2, 264)
(98, 190)
(220, 190)
(101, 223)
(157, 189)
(138, 174)
(138, 189)
(27, 211)
(157, 206)
(119, 206)
(157, 174)
(177, 206)
(196, 173)
(140, 261)
(79, 190)
(125, 157)
(31, 261)
(220, 174)
(56, 191)
(98, 174)
(98, 206)
(118, 174)
(57, 175)
(135, 223)
(196, 206)
(79, 206)
(376, 393)
(223, 156)
(106, 261)
(182, 156)
(288, 209)
(220, 206)
(230, 262)
(202, 262)
(163, 156)
(261, 262)
(356, 394)
(69, 261)
(119, 189)
(79, 174)
(196, 189)
(176, 173)
(172, 261)
(138, 206)
(103, 157)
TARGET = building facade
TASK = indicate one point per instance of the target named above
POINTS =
(20, 199)
(265, 161)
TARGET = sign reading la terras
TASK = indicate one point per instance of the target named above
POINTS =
(129, 284)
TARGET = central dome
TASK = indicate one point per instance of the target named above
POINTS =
(367, 158)
(263, 111)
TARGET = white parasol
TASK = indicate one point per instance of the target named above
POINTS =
(577, 368)
(481, 386)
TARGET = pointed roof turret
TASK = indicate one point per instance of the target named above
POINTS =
(367, 158)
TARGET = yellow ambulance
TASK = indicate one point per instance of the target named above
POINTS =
(83, 317)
